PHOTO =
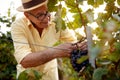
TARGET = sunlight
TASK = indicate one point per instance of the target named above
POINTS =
(85, 6)
(100, 9)
(5, 5)
(93, 25)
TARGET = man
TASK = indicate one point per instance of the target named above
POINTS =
(33, 33)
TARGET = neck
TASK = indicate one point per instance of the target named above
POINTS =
(39, 29)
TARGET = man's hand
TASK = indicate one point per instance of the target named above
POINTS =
(82, 45)
(64, 50)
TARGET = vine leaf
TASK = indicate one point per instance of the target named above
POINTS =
(115, 55)
(51, 5)
(98, 3)
(30, 74)
(83, 58)
(60, 24)
(118, 1)
(98, 73)
(89, 15)
(91, 2)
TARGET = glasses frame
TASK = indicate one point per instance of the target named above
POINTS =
(40, 15)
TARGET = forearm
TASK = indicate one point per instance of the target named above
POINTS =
(39, 58)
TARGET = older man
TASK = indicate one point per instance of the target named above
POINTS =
(34, 29)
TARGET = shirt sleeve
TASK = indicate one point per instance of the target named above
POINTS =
(67, 35)
(20, 41)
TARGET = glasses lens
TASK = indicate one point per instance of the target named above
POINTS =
(41, 16)
(47, 14)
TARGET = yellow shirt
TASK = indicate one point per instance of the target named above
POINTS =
(26, 40)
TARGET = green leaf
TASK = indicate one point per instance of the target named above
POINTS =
(98, 3)
(98, 73)
(81, 1)
(23, 76)
(51, 5)
(115, 56)
(81, 59)
(37, 74)
(57, 43)
(60, 24)
(73, 10)
(9, 12)
(110, 26)
(109, 1)
(117, 46)
(30, 74)
(110, 8)
(90, 16)
(94, 52)
(58, 19)
(63, 13)
(91, 2)
(70, 3)
(118, 1)
(77, 20)
(63, 25)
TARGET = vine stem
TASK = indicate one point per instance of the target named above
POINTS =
(81, 17)
(88, 33)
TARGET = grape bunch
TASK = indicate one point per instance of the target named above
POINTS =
(77, 54)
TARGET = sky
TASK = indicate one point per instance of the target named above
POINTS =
(5, 4)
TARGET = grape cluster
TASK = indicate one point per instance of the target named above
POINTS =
(76, 54)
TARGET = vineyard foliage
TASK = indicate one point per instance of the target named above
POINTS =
(103, 38)
(7, 60)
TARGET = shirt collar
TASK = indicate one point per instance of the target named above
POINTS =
(28, 22)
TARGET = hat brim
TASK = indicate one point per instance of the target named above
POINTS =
(21, 9)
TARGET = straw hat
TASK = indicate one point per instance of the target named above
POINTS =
(31, 4)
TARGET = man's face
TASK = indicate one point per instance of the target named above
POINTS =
(39, 16)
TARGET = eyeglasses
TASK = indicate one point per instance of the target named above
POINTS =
(40, 16)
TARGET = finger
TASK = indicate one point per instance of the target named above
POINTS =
(81, 44)
(74, 46)
(84, 47)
